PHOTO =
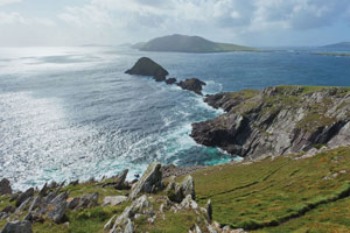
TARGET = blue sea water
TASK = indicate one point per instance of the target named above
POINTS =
(72, 113)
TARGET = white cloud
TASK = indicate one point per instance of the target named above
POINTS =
(8, 2)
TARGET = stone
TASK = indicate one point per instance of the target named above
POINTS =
(109, 224)
(120, 180)
(88, 201)
(170, 81)
(24, 196)
(209, 210)
(5, 187)
(129, 228)
(18, 227)
(57, 208)
(147, 67)
(72, 203)
(9, 209)
(188, 188)
(3, 215)
(189, 203)
(113, 201)
(192, 84)
(150, 182)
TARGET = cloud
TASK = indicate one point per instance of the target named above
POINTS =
(8, 2)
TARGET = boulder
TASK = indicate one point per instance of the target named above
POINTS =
(147, 67)
(120, 180)
(5, 187)
(187, 186)
(24, 196)
(88, 201)
(178, 192)
(57, 208)
(150, 182)
(18, 227)
(192, 84)
(170, 81)
(113, 201)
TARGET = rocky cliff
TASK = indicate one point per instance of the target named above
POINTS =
(277, 121)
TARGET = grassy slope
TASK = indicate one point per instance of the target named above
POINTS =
(243, 195)
(271, 191)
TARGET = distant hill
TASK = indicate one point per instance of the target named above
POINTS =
(338, 46)
(188, 44)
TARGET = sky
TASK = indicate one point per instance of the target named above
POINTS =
(247, 22)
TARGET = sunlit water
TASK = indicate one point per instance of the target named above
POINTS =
(72, 113)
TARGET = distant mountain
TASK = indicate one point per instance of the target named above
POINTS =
(188, 44)
(338, 46)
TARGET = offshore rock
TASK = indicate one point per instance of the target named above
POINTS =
(192, 84)
(147, 67)
(150, 182)
(277, 121)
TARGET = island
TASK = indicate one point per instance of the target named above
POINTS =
(342, 46)
(188, 44)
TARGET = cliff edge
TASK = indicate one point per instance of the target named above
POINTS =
(277, 121)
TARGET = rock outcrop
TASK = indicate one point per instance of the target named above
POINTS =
(192, 84)
(5, 187)
(150, 182)
(147, 67)
(277, 121)
(18, 227)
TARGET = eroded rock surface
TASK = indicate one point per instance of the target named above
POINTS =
(277, 121)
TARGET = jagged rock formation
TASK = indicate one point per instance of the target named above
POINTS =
(277, 121)
(192, 84)
(5, 187)
(147, 67)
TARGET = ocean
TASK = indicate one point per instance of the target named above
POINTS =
(72, 113)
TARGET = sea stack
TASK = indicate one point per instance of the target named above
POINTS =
(147, 67)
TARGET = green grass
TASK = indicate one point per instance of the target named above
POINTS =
(272, 191)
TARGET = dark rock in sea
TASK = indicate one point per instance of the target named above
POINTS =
(5, 187)
(192, 84)
(170, 81)
(150, 182)
(147, 67)
(18, 227)
(277, 121)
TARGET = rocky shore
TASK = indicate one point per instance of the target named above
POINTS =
(277, 121)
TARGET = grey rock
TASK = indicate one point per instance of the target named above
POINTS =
(189, 203)
(24, 196)
(150, 182)
(109, 224)
(3, 215)
(192, 84)
(113, 201)
(209, 211)
(72, 203)
(9, 209)
(188, 187)
(147, 67)
(88, 201)
(170, 81)
(120, 180)
(129, 228)
(57, 207)
(5, 187)
(18, 227)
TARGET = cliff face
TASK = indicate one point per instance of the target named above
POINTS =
(277, 121)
